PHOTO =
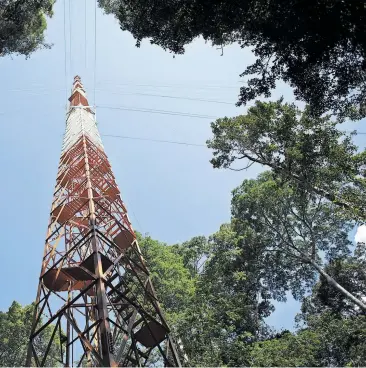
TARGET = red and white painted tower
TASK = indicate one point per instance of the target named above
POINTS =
(95, 294)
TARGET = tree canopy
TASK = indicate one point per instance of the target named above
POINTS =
(286, 350)
(325, 65)
(286, 232)
(15, 327)
(212, 309)
(22, 25)
(326, 341)
(170, 277)
(223, 307)
(308, 152)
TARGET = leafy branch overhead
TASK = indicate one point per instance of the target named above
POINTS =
(318, 47)
(309, 153)
(23, 25)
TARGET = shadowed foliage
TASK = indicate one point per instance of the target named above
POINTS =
(318, 47)
(22, 25)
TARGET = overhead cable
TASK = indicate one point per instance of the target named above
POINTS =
(170, 85)
(155, 111)
(44, 89)
(153, 140)
(167, 96)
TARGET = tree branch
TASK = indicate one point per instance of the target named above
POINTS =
(330, 196)
(244, 168)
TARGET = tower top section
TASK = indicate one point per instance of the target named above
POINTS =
(80, 118)
(78, 95)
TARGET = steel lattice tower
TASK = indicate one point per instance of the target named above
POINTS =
(95, 294)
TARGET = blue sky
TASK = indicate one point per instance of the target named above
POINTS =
(171, 191)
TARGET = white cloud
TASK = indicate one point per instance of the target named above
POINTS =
(360, 236)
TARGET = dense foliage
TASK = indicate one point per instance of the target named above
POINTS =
(215, 312)
(223, 322)
(22, 25)
(15, 326)
(327, 341)
(318, 47)
(286, 232)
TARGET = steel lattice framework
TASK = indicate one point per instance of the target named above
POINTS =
(95, 297)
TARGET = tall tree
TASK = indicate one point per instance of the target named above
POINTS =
(214, 311)
(309, 153)
(15, 327)
(226, 315)
(326, 66)
(290, 233)
(22, 25)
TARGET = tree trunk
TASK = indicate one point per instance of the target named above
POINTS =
(335, 284)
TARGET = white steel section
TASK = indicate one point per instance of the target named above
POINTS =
(80, 121)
